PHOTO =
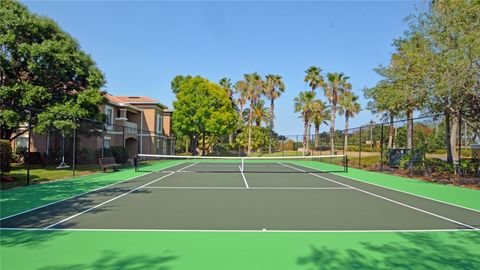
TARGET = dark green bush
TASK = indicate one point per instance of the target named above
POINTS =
(21, 153)
(120, 154)
(6, 155)
(436, 165)
(468, 167)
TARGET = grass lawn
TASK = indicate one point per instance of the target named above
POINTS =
(42, 173)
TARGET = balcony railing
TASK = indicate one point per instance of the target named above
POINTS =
(130, 127)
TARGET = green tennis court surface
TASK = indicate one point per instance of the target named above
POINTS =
(293, 208)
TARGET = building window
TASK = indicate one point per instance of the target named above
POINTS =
(159, 124)
(109, 113)
(106, 142)
(22, 141)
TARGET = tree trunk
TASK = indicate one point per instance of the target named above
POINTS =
(305, 130)
(317, 131)
(332, 127)
(272, 106)
(345, 142)
(453, 138)
(448, 144)
(203, 144)
(391, 132)
(249, 149)
(410, 129)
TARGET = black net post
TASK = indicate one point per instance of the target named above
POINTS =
(28, 157)
(381, 150)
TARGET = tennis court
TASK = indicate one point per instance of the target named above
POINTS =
(225, 194)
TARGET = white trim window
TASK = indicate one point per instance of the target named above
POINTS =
(109, 114)
(159, 124)
(107, 142)
(22, 141)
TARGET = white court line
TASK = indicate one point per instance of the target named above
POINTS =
(112, 199)
(78, 195)
(243, 176)
(387, 199)
(398, 190)
(181, 169)
(242, 231)
(252, 188)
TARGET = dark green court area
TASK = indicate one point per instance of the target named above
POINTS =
(268, 196)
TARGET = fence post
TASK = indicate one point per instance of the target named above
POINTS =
(381, 150)
(360, 148)
(74, 145)
(28, 145)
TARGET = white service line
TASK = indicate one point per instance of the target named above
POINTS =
(243, 176)
(261, 188)
(78, 195)
(387, 199)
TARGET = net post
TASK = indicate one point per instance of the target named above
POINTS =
(29, 145)
(345, 163)
(381, 150)
(135, 162)
(360, 148)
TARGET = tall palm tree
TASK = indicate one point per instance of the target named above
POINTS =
(318, 118)
(315, 80)
(305, 105)
(348, 106)
(253, 91)
(337, 82)
(274, 87)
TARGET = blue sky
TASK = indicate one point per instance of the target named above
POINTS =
(141, 46)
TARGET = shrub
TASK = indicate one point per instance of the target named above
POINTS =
(436, 165)
(21, 153)
(468, 167)
(120, 154)
(6, 155)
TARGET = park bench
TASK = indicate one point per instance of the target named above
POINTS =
(108, 162)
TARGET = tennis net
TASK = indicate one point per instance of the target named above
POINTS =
(215, 164)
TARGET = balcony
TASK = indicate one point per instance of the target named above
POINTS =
(130, 128)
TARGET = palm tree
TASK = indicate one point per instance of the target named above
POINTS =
(260, 113)
(226, 84)
(348, 106)
(318, 117)
(253, 89)
(337, 82)
(313, 77)
(274, 87)
(305, 105)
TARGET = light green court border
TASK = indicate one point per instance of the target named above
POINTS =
(55, 250)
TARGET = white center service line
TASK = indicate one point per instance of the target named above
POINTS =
(243, 176)
(112, 199)
(387, 199)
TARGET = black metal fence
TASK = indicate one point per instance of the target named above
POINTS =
(72, 146)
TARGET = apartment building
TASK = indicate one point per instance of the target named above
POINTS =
(138, 123)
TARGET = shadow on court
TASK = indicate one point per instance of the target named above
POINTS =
(110, 260)
(415, 251)
(29, 239)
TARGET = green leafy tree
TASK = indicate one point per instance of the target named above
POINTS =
(260, 113)
(202, 108)
(260, 138)
(314, 77)
(348, 106)
(305, 104)
(274, 87)
(453, 28)
(43, 67)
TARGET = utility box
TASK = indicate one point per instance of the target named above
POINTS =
(475, 151)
